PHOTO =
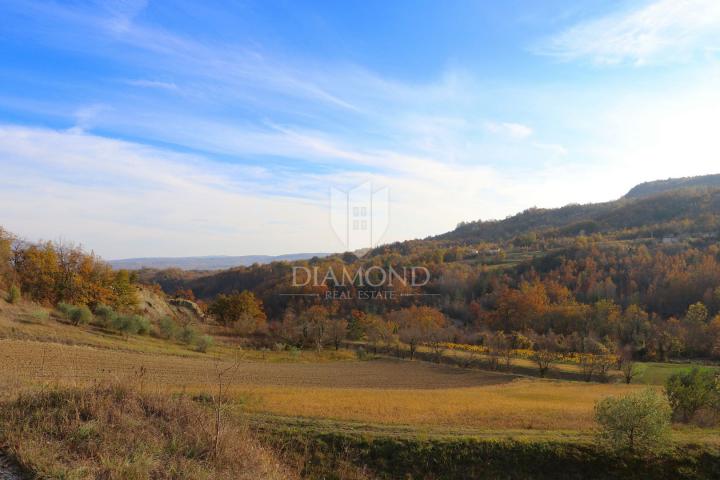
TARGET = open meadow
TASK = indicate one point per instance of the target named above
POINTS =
(37, 350)
(380, 391)
(299, 400)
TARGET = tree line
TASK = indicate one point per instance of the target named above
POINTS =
(50, 273)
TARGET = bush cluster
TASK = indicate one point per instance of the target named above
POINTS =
(76, 314)
(692, 392)
(169, 329)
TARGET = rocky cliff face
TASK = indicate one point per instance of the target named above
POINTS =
(154, 304)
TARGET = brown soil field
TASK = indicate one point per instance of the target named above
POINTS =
(379, 391)
(24, 363)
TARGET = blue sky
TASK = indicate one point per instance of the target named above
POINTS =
(158, 128)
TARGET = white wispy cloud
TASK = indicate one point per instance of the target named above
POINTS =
(85, 116)
(152, 84)
(514, 130)
(124, 199)
(660, 31)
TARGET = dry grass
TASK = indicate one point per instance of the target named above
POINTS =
(116, 433)
(381, 391)
(27, 363)
(521, 405)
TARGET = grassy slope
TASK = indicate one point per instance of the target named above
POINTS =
(117, 433)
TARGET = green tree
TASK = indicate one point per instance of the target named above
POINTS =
(105, 315)
(14, 294)
(690, 391)
(131, 324)
(167, 327)
(637, 422)
(81, 315)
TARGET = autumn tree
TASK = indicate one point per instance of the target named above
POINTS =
(241, 310)
(545, 352)
(338, 331)
(317, 323)
(521, 309)
(375, 330)
(695, 321)
(499, 346)
(355, 326)
(635, 327)
(629, 368)
(124, 290)
(291, 328)
(36, 267)
(418, 325)
(6, 272)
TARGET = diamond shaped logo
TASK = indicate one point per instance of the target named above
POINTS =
(359, 217)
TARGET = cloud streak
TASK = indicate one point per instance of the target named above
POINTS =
(662, 31)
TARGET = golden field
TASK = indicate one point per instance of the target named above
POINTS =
(36, 350)
(378, 391)
(524, 404)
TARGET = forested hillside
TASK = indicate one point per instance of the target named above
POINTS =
(672, 212)
(660, 186)
(641, 275)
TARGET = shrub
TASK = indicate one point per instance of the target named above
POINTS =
(187, 335)
(13, 295)
(76, 314)
(636, 422)
(167, 328)
(65, 309)
(203, 343)
(131, 324)
(691, 391)
(125, 324)
(143, 325)
(81, 315)
(104, 315)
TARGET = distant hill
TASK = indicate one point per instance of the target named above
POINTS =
(219, 262)
(661, 186)
(654, 206)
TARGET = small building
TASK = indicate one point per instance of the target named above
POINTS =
(670, 240)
